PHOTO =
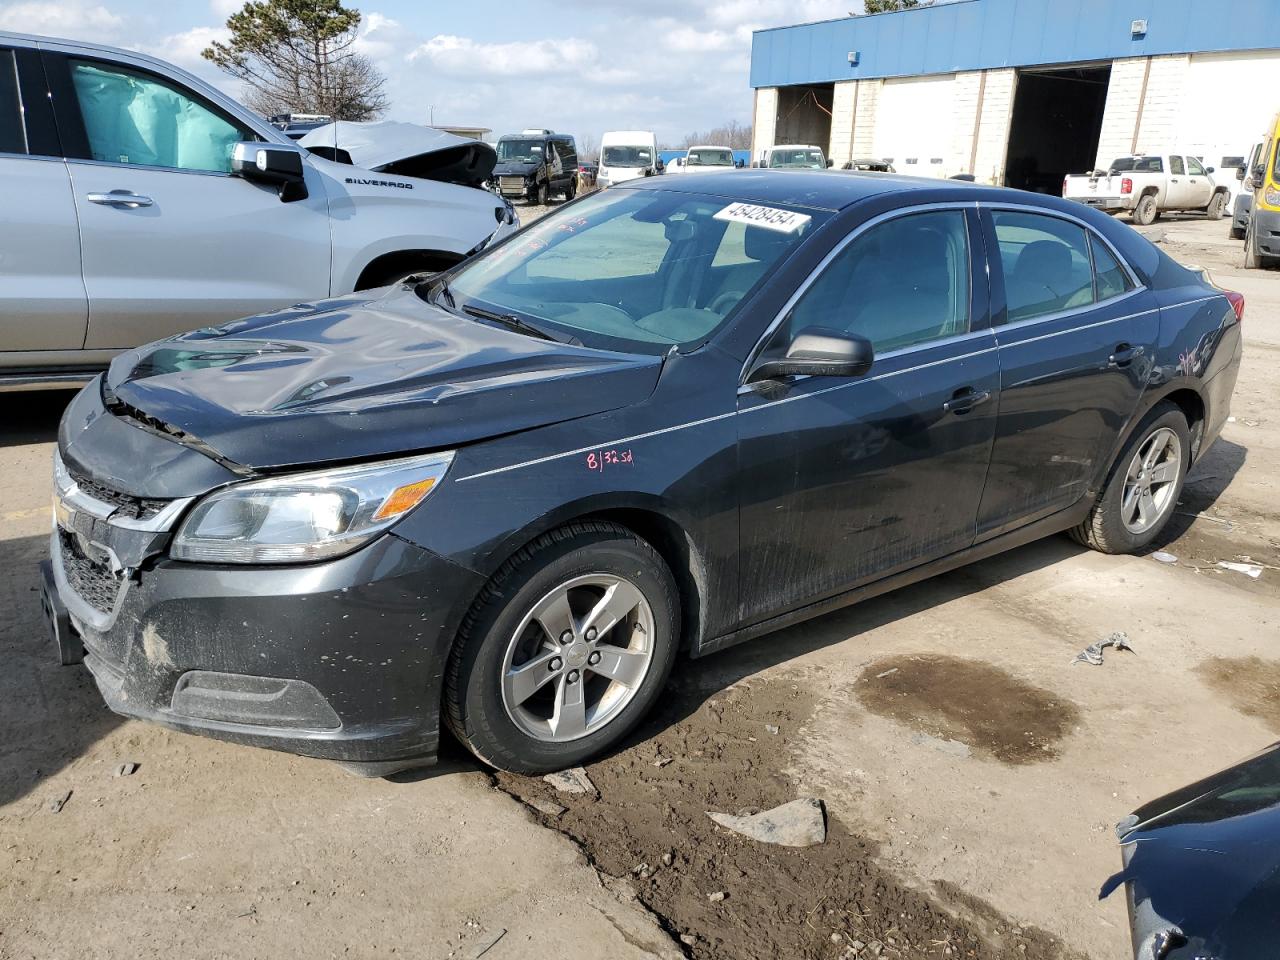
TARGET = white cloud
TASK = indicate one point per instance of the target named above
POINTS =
(684, 39)
(72, 19)
(462, 55)
(225, 8)
(184, 50)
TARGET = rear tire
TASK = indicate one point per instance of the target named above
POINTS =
(1237, 233)
(571, 190)
(1216, 206)
(1146, 212)
(525, 723)
(1143, 486)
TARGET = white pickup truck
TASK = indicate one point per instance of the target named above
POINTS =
(1146, 185)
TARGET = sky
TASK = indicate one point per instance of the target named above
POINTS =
(575, 66)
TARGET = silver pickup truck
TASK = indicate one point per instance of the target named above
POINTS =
(141, 202)
(1146, 185)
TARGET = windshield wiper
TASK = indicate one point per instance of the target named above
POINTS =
(512, 322)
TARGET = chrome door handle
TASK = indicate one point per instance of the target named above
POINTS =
(120, 198)
(965, 400)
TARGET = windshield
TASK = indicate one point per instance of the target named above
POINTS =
(1137, 164)
(635, 270)
(520, 150)
(711, 158)
(807, 159)
(627, 156)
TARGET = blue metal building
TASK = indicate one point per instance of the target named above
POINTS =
(1022, 91)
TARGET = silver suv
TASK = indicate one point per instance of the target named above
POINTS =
(141, 202)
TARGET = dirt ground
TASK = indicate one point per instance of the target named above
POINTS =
(970, 773)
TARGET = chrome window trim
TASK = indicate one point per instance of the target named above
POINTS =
(46, 157)
(148, 166)
(834, 252)
(1074, 311)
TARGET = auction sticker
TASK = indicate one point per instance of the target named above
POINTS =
(771, 218)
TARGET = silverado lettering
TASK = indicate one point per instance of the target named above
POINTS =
(379, 183)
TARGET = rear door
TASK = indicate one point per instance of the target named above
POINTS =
(42, 297)
(170, 240)
(1076, 335)
(846, 480)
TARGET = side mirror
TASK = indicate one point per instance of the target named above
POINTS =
(830, 164)
(1259, 172)
(1239, 173)
(273, 164)
(819, 352)
(1208, 169)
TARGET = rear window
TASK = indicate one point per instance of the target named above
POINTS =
(13, 138)
(1137, 165)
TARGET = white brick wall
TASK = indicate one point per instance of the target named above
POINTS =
(865, 122)
(1166, 99)
(965, 94)
(1120, 116)
(842, 118)
(765, 121)
(993, 131)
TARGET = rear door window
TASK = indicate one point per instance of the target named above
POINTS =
(1045, 262)
(1112, 280)
(135, 118)
(13, 135)
(1175, 165)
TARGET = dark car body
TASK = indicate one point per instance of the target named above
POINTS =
(529, 163)
(771, 502)
(1202, 867)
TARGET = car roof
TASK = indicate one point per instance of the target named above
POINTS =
(818, 189)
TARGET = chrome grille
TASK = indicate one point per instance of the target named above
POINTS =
(511, 184)
(135, 508)
(91, 579)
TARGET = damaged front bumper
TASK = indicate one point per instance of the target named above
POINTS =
(340, 660)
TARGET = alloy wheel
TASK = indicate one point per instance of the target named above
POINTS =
(1151, 481)
(578, 658)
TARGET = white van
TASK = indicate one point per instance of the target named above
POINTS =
(627, 154)
(141, 202)
(793, 156)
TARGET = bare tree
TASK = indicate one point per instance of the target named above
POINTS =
(297, 56)
(888, 6)
(586, 147)
(731, 134)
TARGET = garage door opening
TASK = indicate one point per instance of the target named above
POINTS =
(1057, 118)
(804, 115)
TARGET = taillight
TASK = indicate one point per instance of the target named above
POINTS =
(1126, 185)
(1237, 303)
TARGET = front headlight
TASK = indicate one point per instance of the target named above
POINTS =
(1272, 196)
(306, 516)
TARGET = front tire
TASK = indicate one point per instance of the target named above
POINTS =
(1216, 206)
(565, 650)
(544, 193)
(1143, 487)
(1237, 233)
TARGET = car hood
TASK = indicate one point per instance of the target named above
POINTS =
(358, 378)
(403, 149)
(1202, 867)
(515, 167)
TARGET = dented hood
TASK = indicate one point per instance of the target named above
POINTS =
(354, 378)
(405, 149)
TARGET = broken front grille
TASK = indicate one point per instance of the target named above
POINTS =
(135, 508)
(92, 580)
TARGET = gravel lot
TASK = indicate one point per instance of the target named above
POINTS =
(971, 776)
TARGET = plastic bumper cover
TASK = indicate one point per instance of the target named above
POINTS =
(341, 660)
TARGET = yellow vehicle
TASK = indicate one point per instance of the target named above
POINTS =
(1262, 239)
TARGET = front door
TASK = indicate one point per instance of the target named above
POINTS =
(42, 299)
(170, 241)
(843, 481)
(1076, 346)
(1200, 185)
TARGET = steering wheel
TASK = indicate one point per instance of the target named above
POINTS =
(726, 300)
